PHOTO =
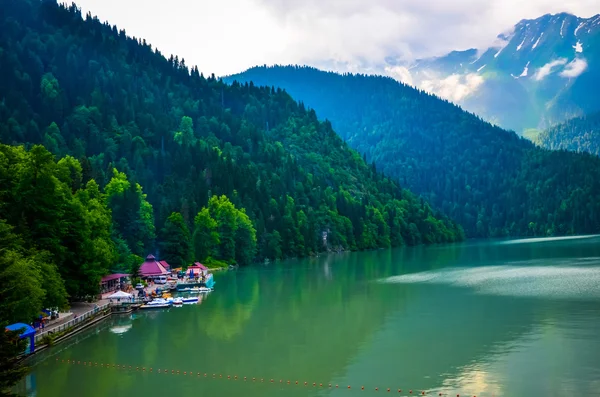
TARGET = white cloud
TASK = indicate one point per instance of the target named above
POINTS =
(399, 73)
(575, 68)
(227, 36)
(455, 87)
(547, 68)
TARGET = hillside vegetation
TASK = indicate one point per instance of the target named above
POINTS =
(581, 134)
(491, 181)
(151, 156)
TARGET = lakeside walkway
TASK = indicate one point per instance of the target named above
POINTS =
(78, 311)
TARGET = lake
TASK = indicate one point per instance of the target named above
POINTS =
(484, 318)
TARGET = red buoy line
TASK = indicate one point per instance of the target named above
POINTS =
(204, 375)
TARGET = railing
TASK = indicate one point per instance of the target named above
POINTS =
(73, 322)
(127, 301)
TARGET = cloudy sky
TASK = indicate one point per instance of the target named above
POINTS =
(228, 36)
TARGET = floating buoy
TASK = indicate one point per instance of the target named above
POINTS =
(376, 389)
(320, 385)
(388, 389)
(399, 390)
(305, 383)
(296, 382)
(362, 388)
(314, 383)
(348, 386)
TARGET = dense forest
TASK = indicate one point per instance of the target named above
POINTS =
(491, 181)
(130, 152)
(581, 134)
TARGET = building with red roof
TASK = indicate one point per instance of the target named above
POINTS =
(152, 268)
(112, 282)
(197, 268)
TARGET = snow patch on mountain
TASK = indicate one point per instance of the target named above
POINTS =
(574, 68)
(562, 27)
(479, 70)
(537, 42)
(520, 45)
(578, 47)
(547, 68)
(579, 27)
(525, 71)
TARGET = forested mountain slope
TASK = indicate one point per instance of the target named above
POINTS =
(581, 134)
(163, 131)
(490, 180)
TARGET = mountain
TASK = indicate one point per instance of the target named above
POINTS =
(536, 75)
(490, 180)
(161, 139)
(580, 134)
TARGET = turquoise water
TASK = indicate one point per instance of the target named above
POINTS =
(490, 318)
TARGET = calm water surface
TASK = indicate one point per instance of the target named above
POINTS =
(493, 318)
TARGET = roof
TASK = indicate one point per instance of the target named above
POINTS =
(26, 330)
(198, 265)
(119, 294)
(111, 277)
(152, 268)
(165, 264)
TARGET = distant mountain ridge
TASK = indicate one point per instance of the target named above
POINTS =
(493, 182)
(537, 75)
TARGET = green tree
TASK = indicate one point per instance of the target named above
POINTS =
(175, 241)
(223, 211)
(12, 369)
(21, 294)
(185, 135)
(206, 236)
(245, 239)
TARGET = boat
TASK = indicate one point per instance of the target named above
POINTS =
(200, 290)
(190, 299)
(155, 306)
(178, 301)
